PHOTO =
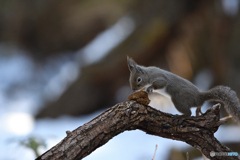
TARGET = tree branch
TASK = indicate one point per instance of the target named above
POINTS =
(130, 115)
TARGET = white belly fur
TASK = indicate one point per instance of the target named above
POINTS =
(162, 91)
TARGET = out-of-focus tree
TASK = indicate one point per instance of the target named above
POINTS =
(52, 27)
(183, 37)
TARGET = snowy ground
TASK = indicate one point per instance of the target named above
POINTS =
(17, 110)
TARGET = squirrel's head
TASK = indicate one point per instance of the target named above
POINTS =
(138, 78)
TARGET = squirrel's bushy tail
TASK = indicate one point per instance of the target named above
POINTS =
(228, 97)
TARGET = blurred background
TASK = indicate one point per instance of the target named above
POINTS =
(64, 62)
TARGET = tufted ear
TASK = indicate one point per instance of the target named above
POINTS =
(131, 64)
(140, 70)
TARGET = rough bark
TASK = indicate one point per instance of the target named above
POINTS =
(130, 115)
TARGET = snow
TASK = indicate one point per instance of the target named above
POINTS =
(18, 107)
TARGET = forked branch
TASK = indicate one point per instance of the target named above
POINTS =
(130, 115)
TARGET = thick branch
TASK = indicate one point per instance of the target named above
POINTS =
(130, 115)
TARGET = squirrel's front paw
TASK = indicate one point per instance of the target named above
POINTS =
(149, 89)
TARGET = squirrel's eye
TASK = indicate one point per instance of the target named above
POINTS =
(139, 79)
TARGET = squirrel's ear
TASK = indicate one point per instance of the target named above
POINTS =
(140, 70)
(131, 64)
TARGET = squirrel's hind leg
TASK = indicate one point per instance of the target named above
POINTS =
(182, 108)
(198, 111)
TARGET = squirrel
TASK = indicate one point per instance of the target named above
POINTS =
(182, 92)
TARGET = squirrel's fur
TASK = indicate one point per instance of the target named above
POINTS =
(183, 93)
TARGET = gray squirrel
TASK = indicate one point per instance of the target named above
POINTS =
(182, 92)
